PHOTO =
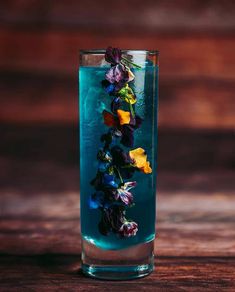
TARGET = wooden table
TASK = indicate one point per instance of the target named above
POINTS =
(40, 234)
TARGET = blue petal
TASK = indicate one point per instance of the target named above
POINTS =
(103, 166)
(96, 200)
(109, 180)
(93, 204)
(110, 88)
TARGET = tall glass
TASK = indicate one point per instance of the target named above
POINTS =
(118, 163)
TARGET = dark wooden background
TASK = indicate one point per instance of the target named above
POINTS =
(39, 189)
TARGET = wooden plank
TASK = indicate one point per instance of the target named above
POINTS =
(150, 15)
(193, 103)
(182, 56)
(56, 272)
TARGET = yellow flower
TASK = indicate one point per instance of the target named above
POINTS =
(124, 117)
(127, 94)
(140, 160)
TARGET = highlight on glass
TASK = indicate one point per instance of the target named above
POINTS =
(118, 105)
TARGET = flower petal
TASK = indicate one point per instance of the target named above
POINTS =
(116, 74)
(129, 185)
(127, 136)
(124, 117)
(109, 119)
(146, 168)
(131, 76)
(109, 180)
(128, 229)
(140, 160)
(127, 94)
(113, 55)
(115, 105)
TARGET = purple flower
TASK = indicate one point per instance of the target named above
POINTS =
(128, 131)
(123, 161)
(113, 55)
(128, 229)
(123, 193)
(120, 157)
(116, 74)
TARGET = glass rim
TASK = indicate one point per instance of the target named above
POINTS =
(102, 51)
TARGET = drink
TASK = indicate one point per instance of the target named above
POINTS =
(93, 100)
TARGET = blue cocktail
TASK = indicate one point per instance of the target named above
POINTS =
(107, 189)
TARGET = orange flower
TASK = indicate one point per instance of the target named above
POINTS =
(124, 117)
(110, 120)
(140, 160)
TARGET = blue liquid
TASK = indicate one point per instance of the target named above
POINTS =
(92, 101)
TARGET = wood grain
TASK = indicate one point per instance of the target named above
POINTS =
(181, 56)
(111, 16)
(55, 272)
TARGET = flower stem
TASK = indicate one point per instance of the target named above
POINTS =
(130, 62)
(119, 174)
(132, 110)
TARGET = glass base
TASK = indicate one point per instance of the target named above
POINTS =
(129, 263)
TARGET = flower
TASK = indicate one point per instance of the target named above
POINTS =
(96, 200)
(108, 180)
(124, 122)
(104, 156)
(115, 105)
(109, 119)
(128, 131)
(140, 160)
(129, 228)
(113, 55)
(120, 157)
(127, 94)
(123, 161)
(103, 166)
(124, 117)
(116, 74)
(123, 193)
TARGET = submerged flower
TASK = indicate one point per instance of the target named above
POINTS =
(113, 55)
(109, 119)
(127, 94)
(104, 155)
(123, 161)
(96, 200)
(140, 160)
(116, 74)
(109, 180)
(123, 193)
(120, 157)
(124, 117)
(128, 131)
(109, 87)
(128, 229)
(125, 123)
(103, 166)
(115, 105)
